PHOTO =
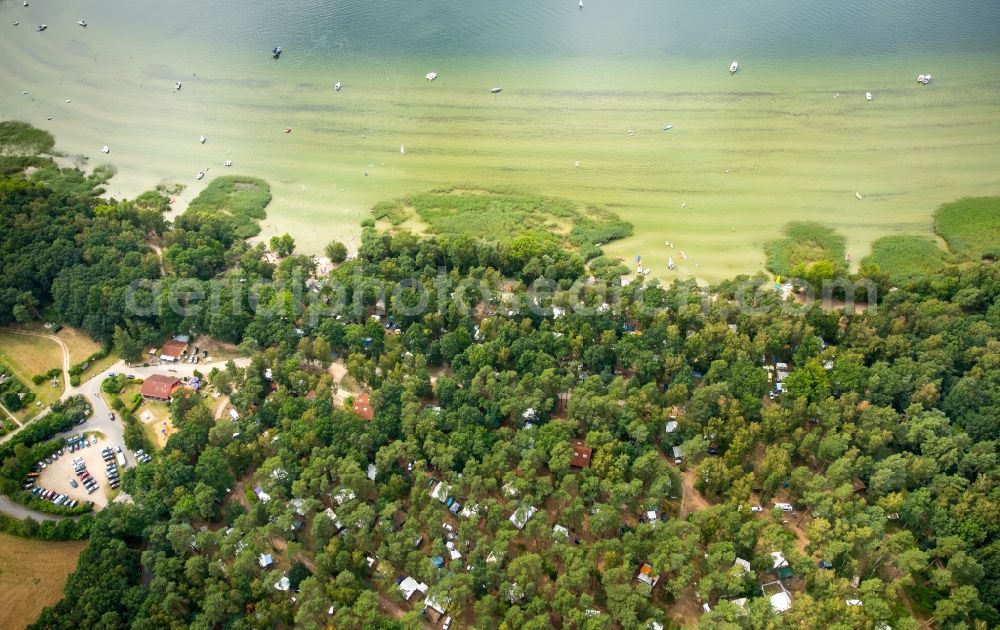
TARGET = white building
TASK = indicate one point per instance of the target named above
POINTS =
(522, 515)
(408, 587)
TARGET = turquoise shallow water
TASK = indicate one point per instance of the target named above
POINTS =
(747, 153)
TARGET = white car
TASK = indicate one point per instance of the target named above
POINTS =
(784, 507)
(756, 508)
(447, 623)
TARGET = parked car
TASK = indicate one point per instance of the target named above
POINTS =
(756, 508)
(111, 417)
(73, 483)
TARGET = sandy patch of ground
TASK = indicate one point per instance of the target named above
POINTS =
(155, 417)
(217, 350)
(691, 499)
(58, 474)
(32, 576)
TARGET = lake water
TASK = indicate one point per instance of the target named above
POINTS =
(790, 136)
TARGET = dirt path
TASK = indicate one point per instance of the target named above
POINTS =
(691, 499)
(221, 406)
(159, 254)
(392, 608)
(10, 415)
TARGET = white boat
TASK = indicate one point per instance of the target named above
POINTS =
(276, 52)
(868, 96)
(201, 174)
(337, 86)
(667, 127)
(581, 4)
(105, 149)
(41, 27)
(670, 263)
(227, 163)
(733, 67)
(82, 23)
(17, 23)
(202, 139)
(431, 76)
(402, 150)
(25, 2)
(683, 255)
(859, 196)
(177, 85)
(497, 90)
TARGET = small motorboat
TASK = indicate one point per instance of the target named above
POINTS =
(288, 130)
(83, 23)
(496, 90)
(868, 96)
(402, 150)
(431, 76)
(41, 27)
(17, 23)
(671, 265)
(25, 2)
(337, 86)
(859, 196)
(202, 139)
(733, 67)
(105, 149)
(667, 127)
(69, 100)
(201, 174)
(924, 78)
(683, 255)
(276, 52)
(177, 85)
(578, 163)
(581, 5)
(227, 163)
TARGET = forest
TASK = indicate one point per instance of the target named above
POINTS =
(528, 463)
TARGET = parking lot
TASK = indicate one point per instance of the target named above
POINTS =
(57, 475)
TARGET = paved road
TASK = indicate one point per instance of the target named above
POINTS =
(17, 510)
(100, 418)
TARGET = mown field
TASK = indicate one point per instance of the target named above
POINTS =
(27, 356)
(32, 576)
